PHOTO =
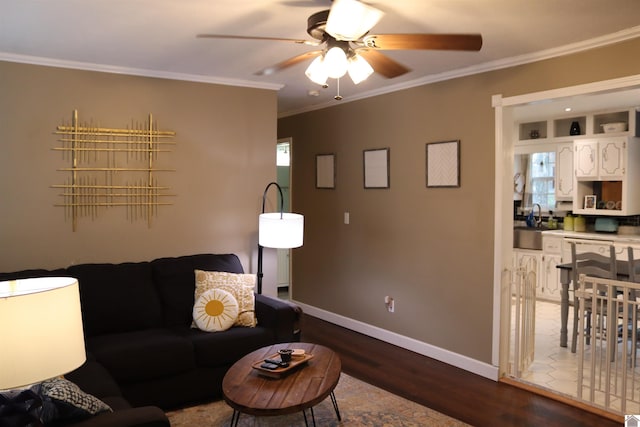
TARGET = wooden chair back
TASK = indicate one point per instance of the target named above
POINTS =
(593, 264)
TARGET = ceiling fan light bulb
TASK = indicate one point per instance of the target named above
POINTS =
(351, 19)
(359, 69)
(336, 63)
(317, 72)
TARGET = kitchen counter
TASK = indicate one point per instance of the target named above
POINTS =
(592, 235)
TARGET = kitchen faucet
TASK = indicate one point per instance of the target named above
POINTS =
(539, 219)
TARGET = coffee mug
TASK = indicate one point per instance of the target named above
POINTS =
(285, 354)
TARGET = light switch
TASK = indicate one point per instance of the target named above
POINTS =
(346, 218)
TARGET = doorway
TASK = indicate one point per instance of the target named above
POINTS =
(508, 112)
(283, 178)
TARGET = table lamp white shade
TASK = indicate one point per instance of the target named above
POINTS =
(41, 333)
(280, 230)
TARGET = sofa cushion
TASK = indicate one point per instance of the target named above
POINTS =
(215, 311)
(94, 379)
(70, 402)
(143, 355)
(117, 297)
(242, 287)
(175, 281)
(227, 348)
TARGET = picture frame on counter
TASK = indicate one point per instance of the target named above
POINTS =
(443, 164)
(326, 171)
(590, 201)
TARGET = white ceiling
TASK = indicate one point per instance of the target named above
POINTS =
(158, 38)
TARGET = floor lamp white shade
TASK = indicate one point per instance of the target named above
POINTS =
(280, 230)
(40, 330)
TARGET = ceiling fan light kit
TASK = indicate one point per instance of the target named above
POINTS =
(335, 62)
(359, 69)
(316, 72)
(351, 19)
(348, 46)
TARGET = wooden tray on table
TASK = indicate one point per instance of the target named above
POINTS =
(280, 372)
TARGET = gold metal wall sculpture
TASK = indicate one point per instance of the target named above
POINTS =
(113, 167)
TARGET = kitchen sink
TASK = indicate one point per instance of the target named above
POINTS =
(528, 238)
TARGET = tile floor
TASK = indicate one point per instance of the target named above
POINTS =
(556, 368)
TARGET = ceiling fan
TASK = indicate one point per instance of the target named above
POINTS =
(346, 45)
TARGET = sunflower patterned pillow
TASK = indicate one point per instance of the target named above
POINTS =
(216, 310)
(241, 286)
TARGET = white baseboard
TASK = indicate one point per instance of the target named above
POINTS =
(458, 360)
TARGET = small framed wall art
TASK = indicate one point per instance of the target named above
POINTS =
(325, 171)
(376, 168)
(443, 164)
(590, 202)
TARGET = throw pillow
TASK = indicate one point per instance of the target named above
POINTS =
(241, 286)
(21, 407)
(70, 402)
(215, 310)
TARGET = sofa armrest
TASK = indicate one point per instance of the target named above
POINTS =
(144, 416)
(281, 316)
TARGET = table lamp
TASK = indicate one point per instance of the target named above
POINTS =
(280, 230)
(41, 334)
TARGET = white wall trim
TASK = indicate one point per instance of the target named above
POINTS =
(496, 102)
(86, 66)
(588, 88)
(458, 360)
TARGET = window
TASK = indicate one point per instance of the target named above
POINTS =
(542, 179)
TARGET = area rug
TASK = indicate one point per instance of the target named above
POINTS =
(360, 404)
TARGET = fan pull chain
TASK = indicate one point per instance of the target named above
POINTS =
(338, 97)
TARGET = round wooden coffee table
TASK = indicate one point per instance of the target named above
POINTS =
(247, 390)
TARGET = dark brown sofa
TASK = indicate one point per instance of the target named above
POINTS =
(143, 357)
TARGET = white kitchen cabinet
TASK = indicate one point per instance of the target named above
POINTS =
(529, 261)
(549, 274)
(608, 168)
(550, 277)
(601, 158)
(622, 250)
(564, 171)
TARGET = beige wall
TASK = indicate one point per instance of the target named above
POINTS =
(224, 156)
(429, 248)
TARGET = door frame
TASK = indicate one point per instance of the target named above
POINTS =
(503, 190)
(289, 141)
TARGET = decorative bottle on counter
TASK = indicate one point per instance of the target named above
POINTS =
(552, 223)
(568, 223)
(579, 223)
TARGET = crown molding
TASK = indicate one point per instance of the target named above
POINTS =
(86, 66)
(605, 40)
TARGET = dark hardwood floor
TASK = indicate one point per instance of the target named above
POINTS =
(462, 395)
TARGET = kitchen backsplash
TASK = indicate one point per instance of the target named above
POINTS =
(633, 220)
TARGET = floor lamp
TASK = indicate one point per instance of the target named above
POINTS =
(280, 230)
(41, 335)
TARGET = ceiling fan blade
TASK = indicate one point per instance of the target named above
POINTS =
(423, 41)
(382, 64)
(351, 19)
(288, 63)
(278, 39)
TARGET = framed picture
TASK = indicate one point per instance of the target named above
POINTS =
(326, 171)
(443, 164)
(376, 168)
(590, 202)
